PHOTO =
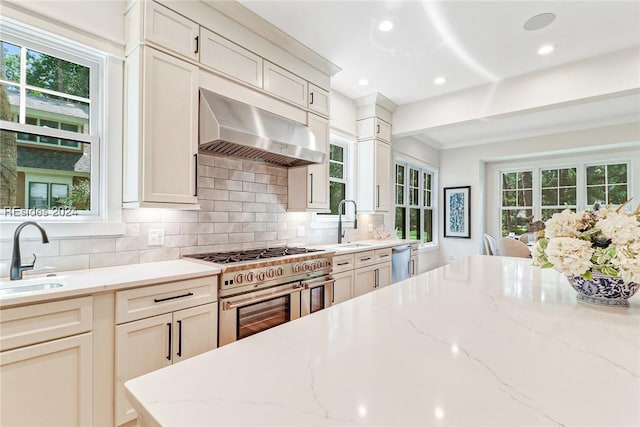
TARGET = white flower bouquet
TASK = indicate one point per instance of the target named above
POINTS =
(604, 241)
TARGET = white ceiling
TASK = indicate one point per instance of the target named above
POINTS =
(470, 43)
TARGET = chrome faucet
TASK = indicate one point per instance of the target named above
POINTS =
(16, 263)
(355, 218)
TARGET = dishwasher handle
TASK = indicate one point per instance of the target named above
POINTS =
(398, 249)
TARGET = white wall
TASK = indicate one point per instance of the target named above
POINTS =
(468, 166)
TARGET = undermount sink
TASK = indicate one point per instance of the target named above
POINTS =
(350, 246)
(19, 287)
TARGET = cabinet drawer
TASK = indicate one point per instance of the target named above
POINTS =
(138, 303)
(284, 84)
(343, 263)
(30, 324)
(382, 255)
(229, 58)
(364, 258)
(414, 249)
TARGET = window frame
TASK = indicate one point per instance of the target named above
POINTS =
(33, 38)
(348, 145)
(422, 169)
(581, 183)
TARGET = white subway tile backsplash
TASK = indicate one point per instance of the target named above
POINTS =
(169, 215)
(196, 228)
(241, 196)
(179, 241)
(278, 171)
(255, 167)
(132, 229)
(267, 236)
(266, 217)
(161, 254)
(226, 184)
(214, 172)
(212, 239)
(114, 258)
(242, 216)
(253, 207)
(210, 194)
(65, 262)
(29, 247)
(204, 182)
(87, 246)
(227, 227)
(238, 175)
(254, 226)
(276, 189)
(227, 163)
(241, 237)
(222, 206)
(254, 187)
(213, 217)
(168, 227)
(130, 243)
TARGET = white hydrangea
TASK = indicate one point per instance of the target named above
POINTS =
(564, 224)
(627, 261)
(570, 256)
(620, 228)
(538, 254)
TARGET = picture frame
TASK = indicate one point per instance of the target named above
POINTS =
(457, 212)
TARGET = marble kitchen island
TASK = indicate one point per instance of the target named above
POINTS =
(483, 341)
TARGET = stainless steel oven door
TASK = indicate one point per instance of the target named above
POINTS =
(317, 294)
(253, 312)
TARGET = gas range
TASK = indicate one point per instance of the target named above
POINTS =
(249, 270)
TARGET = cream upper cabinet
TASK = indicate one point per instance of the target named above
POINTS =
(373, 127)
(177, 329)
(284, 84)
(318, 100)
(309, 185)
(229, 58)
(46, 373)
(374, 183)
(161, 130)
(171, 30)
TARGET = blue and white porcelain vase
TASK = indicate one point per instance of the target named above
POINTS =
(603, 290)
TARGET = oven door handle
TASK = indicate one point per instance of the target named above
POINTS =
(228, 305)
(318, 281)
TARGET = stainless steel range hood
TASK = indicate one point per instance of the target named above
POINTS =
(236, 129)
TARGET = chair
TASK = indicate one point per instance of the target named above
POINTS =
(524, 238)
(513, 248)
(490, 244)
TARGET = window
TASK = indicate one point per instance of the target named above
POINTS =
(49, 113)
(340, 169)
(414, 202)
(541, 192)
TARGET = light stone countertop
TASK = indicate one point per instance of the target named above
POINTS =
(345, 248)
(483, 341)
(85, 282)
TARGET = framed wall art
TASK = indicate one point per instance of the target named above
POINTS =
(457, 212)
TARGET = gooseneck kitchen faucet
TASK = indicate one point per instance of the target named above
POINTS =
(16, 263)
(355, 218)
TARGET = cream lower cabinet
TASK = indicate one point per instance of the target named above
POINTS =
(309, 185)
(343, 286)
(149, 344)
(373, 270)
(413, 261)
(161, 130)
(46, 376)
(160, 325)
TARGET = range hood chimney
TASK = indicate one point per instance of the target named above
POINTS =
(232, 128)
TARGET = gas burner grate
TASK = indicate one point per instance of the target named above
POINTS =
(250, 254)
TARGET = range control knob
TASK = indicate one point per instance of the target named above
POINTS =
(279, 271)
(261, 275)
(238, 278)
(250, 277)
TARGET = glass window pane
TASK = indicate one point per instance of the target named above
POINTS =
(513, 221)
(526, 198)
(568, 196)
(399, 174)
(399, 195)
(509, 198)
(549, 178)
(413, 177)
(9, 110)
(52, 73)
(336, 170)
(38, 195)
(336, 153)
(59, 194)
(617, 174)
(10, 62)
(337, 192)
(548, 213)
(427, 198)
(400, 223)
(45, 105)
(596, 194)
(567, 177)
(427, 228)
(427, 181)
(414, 223)
(413, 197)
(595, 175)
(617, 194)
(549, 197)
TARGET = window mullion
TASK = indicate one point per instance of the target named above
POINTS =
(22, 110)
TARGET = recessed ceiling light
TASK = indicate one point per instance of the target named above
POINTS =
(539, 21)
(385, 25)
(363, 82)
(546, 49)
(440, 80)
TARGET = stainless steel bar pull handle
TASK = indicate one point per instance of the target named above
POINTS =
(195, 190)
(377, 196)
(343, 263)
(311, 102)
(377, 276)
(169, 350)
(179, 338)
(378, 129)
(197, 44)
(311, 192)
(188, 294)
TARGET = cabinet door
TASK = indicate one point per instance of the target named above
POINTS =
(48, 384)
(196, 331)
(318, 100)
(364, 280)
(141, 347)
(373, 127)
(284, 84)
(343, 287)
(229, 58)
(383, 275)
(170, 129)
(413, 266)
(318, 175)
(382, 130)
(171, 30)
(383, 177)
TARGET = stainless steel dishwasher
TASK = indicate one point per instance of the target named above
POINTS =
(400, 260)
